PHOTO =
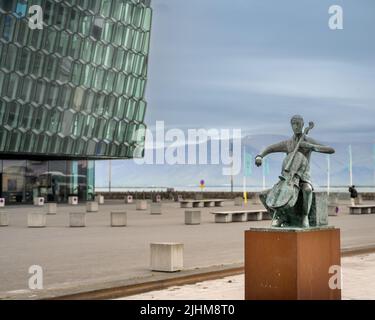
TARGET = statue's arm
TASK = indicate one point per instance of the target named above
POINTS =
(277, 147)
(318, 147)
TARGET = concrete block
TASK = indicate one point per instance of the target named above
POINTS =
(2, 202)
(141, 204)
(36, 220)
(92, 207)
(118, 219)
(256, 216)
(4, 219)
(156, 208)
(39, 201)
(192, 217)
(99, 199)
(167, 256)
(239, 217)
(73, 200)
(223, 218)
(77, 219)
(238, 201)
(51, 208)
(129, 199)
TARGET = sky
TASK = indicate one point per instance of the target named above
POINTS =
(252, 64)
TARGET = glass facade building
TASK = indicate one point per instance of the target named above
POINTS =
(70, 93)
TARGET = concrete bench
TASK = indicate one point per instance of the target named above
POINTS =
(192, 217)
(167, 256)
(118, 219)
(156, 208)
(77, 219)
(36, 220)
(239, 215)
(4, 219)
(39, 201)
(51, 208)
(207, 203)
(141, 205)
(92, 207)
(362, 209)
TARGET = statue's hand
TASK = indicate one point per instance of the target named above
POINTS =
(258, 161)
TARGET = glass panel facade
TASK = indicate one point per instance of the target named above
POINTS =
(22, 180)
(74, 89)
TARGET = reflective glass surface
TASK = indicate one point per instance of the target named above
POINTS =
(76, 88)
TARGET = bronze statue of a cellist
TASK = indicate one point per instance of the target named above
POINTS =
(291, 199)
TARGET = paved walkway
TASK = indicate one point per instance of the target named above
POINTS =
(358, 283)
(99, 254)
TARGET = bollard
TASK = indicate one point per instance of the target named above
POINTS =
(39, 201)
(51, 208)
(2, 202)
(156, 208)
(36, 220)
(4, 219)
(99, 199)
(141, 205)
(77, 219)
(192, 217)
(128, 199)
(73, 200)
(118, 219)
(167, 256)
(92, 207)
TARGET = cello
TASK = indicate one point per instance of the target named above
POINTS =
(285, 193)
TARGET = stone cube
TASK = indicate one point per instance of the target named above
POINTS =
(156, 208)
(51, 208)
(4, 219)
(129, 199)
(141, 204)
(77, 219)
(99, 199)
(92, 206)
(39, 201)
(36, 220)
(167, 256)
(73, 200)
(192, 217)
(118, 219)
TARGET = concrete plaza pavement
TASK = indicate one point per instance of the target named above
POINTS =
(97, 254)
(358, 283)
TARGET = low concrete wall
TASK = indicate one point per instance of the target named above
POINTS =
(367, 196)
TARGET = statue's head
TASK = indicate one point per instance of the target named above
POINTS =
(297, 124)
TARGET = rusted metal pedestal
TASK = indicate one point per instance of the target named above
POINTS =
(291, 264)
